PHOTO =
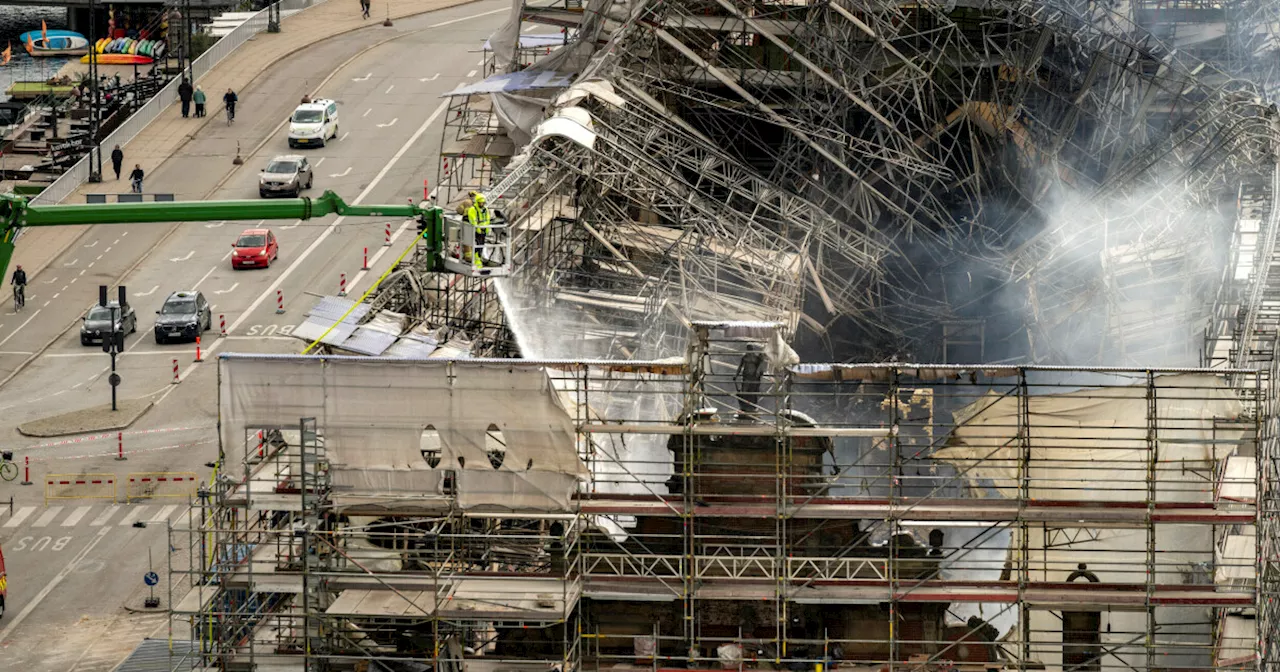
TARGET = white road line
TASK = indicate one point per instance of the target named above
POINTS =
(99, 257)
(389, 88)
(133, 514)
(163, 514)
(81, 272)
(116, 241)
(44, 592)
(14, 352)
(75, 516)
(47, 517)
(128, 353)
(52, 280)
(366, 112)
(124, 234)
(91, 264)
(344, 136)
(471, 74)
(20, 516)
(321, 161)
(270, 291)
(228, 290)
(20, 326)
(56, 295)
(46, 304)
(107, 250)
(149, 292)
(105, 516)
(190, 254)
(206, 275)
(93, 244)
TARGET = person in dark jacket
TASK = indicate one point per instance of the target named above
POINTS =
(117, 160)
(136, 178)
(184, 94)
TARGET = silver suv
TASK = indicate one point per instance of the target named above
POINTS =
(285, 175)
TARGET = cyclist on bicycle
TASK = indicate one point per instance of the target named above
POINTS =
(19, 282)
(229, 99)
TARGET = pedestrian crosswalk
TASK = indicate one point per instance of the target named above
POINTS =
(91, 515)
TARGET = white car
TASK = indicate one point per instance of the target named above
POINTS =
(313, 123)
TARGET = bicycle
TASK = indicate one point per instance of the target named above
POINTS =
(231, 115)
(19, 297)
(8, 468)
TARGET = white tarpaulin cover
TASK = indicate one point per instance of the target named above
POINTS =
(1094, 440)
(373, 413)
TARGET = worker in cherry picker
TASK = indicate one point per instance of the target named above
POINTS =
(481, 224)
(467, 208)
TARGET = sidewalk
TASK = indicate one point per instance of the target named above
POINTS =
(167, 134)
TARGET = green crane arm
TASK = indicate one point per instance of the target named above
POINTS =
(16, 212)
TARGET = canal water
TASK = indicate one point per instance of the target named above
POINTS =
(15, 21)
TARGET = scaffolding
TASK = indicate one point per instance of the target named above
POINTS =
(731, 509)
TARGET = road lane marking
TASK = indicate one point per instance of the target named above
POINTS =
(432, 78)
(76, 516)
(320, 161)
(47, 517)
(20, 326)
(366, 113)
(107, 250)
(214, 225)
(133, 514)
(116, 241)
(149, 292)
(230, 289)
(13, 352)
(105, 516)
(91, 264)
(390, 123)
(344, 137)
(20, 516)
(50, 281)
(362, 79)
(92, 245)
(342, 174)
(389, 88)
(73, 262)
(163, 514)
(206, 275)
(44, 592)
(270, 291)
(57, 294)
(81, 272)
(190, 254)
(98, 258)
(471, 74)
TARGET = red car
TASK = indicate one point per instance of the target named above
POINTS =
(255, 248)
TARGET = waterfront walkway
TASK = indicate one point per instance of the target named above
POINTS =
(167, 136)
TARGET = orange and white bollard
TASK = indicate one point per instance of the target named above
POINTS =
(279, 302)
(426, 193)
(386, 236)
(262, 443)
(342, 285)
(222, 321)
(366, 260)
(120, 447)
(198, 357)
(26, 470)
(175, 372)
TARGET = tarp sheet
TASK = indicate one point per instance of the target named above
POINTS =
(373, 414)
(1089, 441)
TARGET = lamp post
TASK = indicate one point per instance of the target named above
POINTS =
(186, 36)
(95, 150)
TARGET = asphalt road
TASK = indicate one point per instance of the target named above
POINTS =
(74, 565)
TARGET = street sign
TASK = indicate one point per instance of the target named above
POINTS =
(150, 578)
(113, 380)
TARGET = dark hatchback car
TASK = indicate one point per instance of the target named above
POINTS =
(183, 316)
(97, 322)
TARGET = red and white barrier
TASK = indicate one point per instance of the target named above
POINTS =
(120, 447)
(222, 321)
(175, 372)
(426, 192)
(279, 302)
(198, 357)
(342, 285)
(26, 470)
(386, 236)
(365, 267)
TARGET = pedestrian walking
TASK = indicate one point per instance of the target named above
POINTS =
(198, 98)
(136, 178)
(117, 160)
(184, 94)
(364, 9)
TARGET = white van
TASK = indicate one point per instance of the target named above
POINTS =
(313, 123)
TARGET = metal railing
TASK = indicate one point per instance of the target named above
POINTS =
(78, 174)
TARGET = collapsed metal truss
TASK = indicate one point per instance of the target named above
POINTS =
(1047, 174)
